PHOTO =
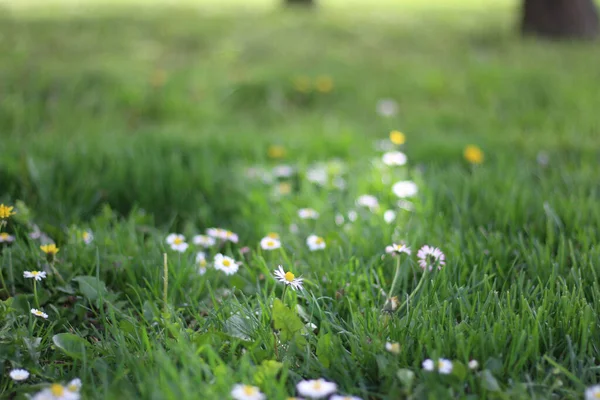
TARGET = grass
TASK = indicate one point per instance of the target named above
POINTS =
(136, 122)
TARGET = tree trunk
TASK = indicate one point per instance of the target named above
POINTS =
(560, 18)
(300, 2)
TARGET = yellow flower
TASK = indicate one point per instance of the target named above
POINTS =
(50, 249)
(284, 188)
(302, 84)
(397, 137)
(324, 84)
(276, 151)
(6, 211)
(273, 235)
(473, 154)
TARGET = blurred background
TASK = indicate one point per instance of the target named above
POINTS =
(150, 103)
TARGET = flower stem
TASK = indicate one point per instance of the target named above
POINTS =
(415, 290)
(165, 282)
(35, 296)
(396, 276)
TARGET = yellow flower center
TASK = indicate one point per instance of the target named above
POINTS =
(85, 235)
(440, 364)
(35, 273)
(57, 390)
(284, 188)
(249, 390)
(324, 84)
(178, 240)
(397, 137)
(202, 263)
(597, 395)
(6, 211)
(270, 243)
(317, 385)
(276, 151)
(72, 388)
(4, 235)
(226, 263)
(289, 277)
(319, 240)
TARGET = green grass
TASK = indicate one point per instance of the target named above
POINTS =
(137, 122)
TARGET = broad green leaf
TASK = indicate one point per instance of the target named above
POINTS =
(489, 382)
(90, 287)
(324, 350)
(286, 321)
(406, 376)
(267, 372)
(72, 345)
(459, 370)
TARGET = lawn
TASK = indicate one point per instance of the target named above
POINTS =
(122, 122)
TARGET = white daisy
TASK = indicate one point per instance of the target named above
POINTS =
(404, 189)
(6, 238)
(269, 243)
(19, 374)
(405, 205)
(316, 388)
(74, 385)
(246, 392)
(352, 215)
(430, 257)
(37, 275)
(393, 347)
(394, 158)
(397, 249)
(226, 264)
(201, 262)
(203, 240)
(592, 392)
(473, 364)
(214, 232)
(367, 200)
(317, 175)
(315, 242)
(308, 213)
(339, 219)
(389, 216)
(177, 242)
(387, 107)
(39, 313)
(442, 365)
(283, 171)
(338, 397)
(288, 278)
(87, 237)
(56, 392)
(232, 237)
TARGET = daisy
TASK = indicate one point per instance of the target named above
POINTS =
(87, 237)
(268, 243)
(387, 107)
(201, 262)
(592, 393)
(74, 385)
(473, 364)
(315, 242)
(214, 232)
(397, 249)
(37, 275)
(429, 257)
(317, 175)
(226, 264)
(308, 213)
(246, 392)
(338, 397)
(228, 235)
(352, 216)
(391, 304)
(6, 238)
(283, 171)
(339, 219)
(404, 189)
(389, 216)
(442, 365)
(203, 240)
(19, 374)
(56, 392)
(316, 388)
(177, 242)
(367, 200)
(39, 313)
(288, 278)
(36, 233)
(393, 347)
(394, 158)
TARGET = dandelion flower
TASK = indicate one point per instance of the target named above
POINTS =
(226, 264)
(592, 392)
(404, 189)
(19, 374)
(268, 243)
(315, 242)
(473, 364)
(177, 242)
(443, 366)
(394, 158)
(324, 84)
(430, 257)
(316, 388)
(246, 392)
(397, 249)
(389, 216)
(6, 238)
(473, 154)
(367, 200)
(393, 347)
(397, 137)
(56, 392)
(308, 213)
(39, 313)
(203, 240)
(6, 211)
(50, 249)
(201, 262)
(37, 275)
(387, 107)
(276, 151)
(288, 278)
(338, 397)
